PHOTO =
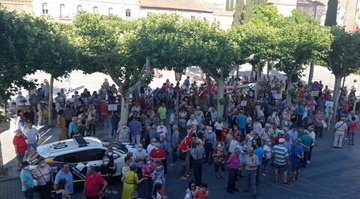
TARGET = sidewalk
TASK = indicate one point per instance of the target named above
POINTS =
(8, 152)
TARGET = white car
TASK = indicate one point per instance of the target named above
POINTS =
(80, 153)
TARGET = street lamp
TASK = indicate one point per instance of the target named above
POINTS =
(178, 73)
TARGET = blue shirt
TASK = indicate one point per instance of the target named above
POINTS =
(135, 127)
(73, 127)
(69, 185)
(259, 153)
(297, 150)
(241, 121)
(301, 109)
(26, 177)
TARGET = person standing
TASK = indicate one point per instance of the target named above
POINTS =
(340, 130)
(159, 176)
(147, 183)
(115, 119)
(281, 160)
(93, 182)
(203, 193)
(219, 156)
(162, 111)
(233, 164)
(21, 147)
(175, 141)
(61, 123)
(130, 178)
(259, 152)
(64, 173)
(192, 190)
(43, 175)
(306, 142)
(135, 130)
(27, 183)
(73, 128)
(297, 154)
(32, 135)
(197, 154)
(251, 166)
(352, 128)
(140, 157)
(312, 134)
(210, 141)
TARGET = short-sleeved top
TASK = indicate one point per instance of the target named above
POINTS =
(20, 143)
(193, 124)
(26, 177)
(306, 140)
(352, 126)
(259, 153)
(31, 134)
(201, 195)
(160, 153)
(280, 153)
(296, 151)
(93, 183)
(162, 112)
(69, 185)
(138, 154)
(341, 126)
(241, 121)
(43, 174)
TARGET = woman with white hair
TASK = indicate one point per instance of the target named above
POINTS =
(340, 130)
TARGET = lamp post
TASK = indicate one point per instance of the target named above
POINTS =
(178, 73)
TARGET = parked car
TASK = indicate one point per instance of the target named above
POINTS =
(80, 153)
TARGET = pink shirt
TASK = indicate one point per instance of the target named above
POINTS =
(234, 161)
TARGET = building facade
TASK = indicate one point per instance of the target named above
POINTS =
(65, 10)
(18, 5)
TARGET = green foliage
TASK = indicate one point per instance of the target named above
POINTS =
(331, 13)
(28, 44)
(245, 11)
(343, 58)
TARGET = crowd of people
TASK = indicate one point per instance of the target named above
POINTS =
(249, 138)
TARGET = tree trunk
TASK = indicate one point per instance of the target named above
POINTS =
(289, 87)
(343, 83)
(220, 95)
(336, 94)
(124, 116)
(50, 106)
(311, 71)
(258, 79)
(268, 70)
(251, 78)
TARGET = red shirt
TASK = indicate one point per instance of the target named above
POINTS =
(20, 143)
(156, 154)
(352, 126)
(92, 184)
(201, 195)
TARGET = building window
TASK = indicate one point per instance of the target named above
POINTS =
(62, 10)
(45, 10)
(128, 13)
(95, 9)
(79, 8)
(111, 11)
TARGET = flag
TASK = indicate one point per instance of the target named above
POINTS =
(184, 144)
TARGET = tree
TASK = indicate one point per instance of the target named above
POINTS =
(244, 10)
(214, 55)
(127, 50)
(342, 59)
(331, 13)
(302, 39)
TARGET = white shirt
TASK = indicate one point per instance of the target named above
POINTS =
(232, 146)
(193, 124)
(31, 135)
(218, 126)
(267, 151)
(257, 127)
(313, 136)
(161, 129)
(149, 148)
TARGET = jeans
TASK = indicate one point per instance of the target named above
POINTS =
(311, 148)
(197, 166)
(338, 140)
(306, 158)
(208, 152)
(251, 176)
(135, 139)
(29, 193)
(114, 128)
(258, 173)
(92, 129)
(174, 154)
(232, 179)
(351, 138)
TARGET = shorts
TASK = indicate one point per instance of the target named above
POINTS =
(281, 167)
(295, 167)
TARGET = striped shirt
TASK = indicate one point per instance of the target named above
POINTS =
(280, 153)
